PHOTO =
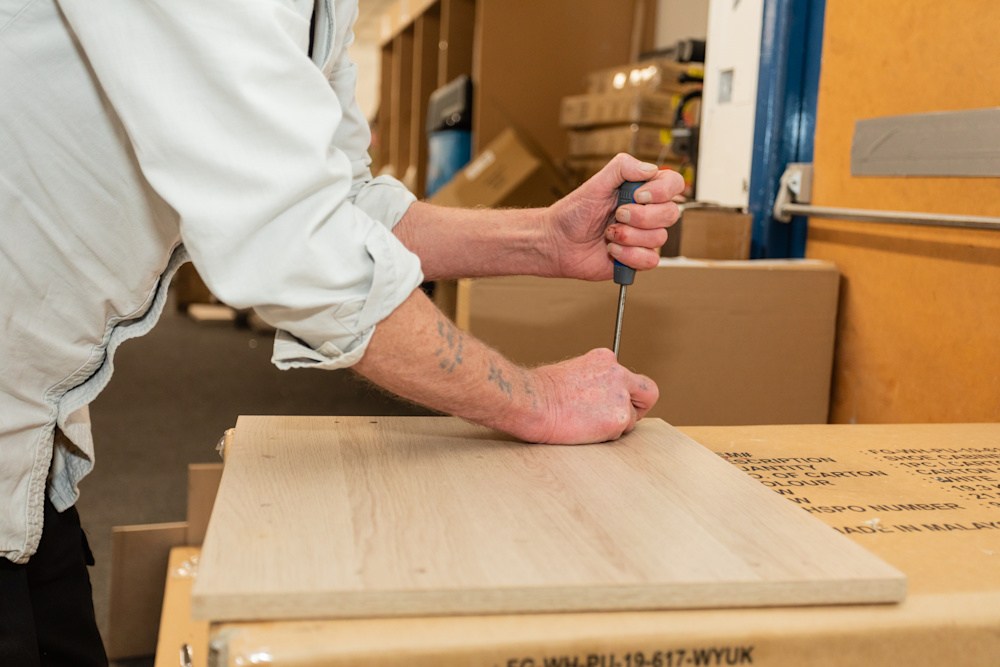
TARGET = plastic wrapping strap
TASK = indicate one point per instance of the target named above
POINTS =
(224, 442)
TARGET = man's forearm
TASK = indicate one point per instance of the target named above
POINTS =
(419, 354)
(467, 243)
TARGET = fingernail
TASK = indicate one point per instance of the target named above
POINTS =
(614, 250)
(642, 197)
(646, 166)
(621, 215)
(609, 233)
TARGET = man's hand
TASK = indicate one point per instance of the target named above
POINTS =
(591, 399)
(581, 243)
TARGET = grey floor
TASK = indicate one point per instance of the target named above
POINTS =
(173, 394)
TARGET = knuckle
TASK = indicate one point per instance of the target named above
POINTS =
(604, 356)
(606, 353)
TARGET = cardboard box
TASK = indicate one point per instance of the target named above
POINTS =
(710, 232)
(508, 173)
(894, 489)
(727, 342)
(619, 107)
(139, 554)
(656, 75)
(645, 142)
(925, 497)
(176, 628)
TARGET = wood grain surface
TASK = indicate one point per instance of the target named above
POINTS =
(361, 516)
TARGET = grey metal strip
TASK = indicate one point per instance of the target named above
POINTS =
(951, 143)
(899, 217)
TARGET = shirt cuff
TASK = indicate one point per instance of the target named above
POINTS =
(348, 328)
(290, 352)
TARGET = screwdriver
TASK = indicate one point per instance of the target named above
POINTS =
(624, 275)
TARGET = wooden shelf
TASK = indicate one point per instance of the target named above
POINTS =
(400, 102)
(427, 36)
(455, 54)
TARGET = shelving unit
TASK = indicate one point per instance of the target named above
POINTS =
(424, 45)
(523, 57)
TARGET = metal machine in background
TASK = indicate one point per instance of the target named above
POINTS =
(449, 132)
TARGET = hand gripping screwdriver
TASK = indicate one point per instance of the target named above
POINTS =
(624, 275)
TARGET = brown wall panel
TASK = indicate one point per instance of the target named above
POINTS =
(458, 18)
(919, 328)
(530, 54)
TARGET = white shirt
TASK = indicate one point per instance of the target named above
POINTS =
(136, 133)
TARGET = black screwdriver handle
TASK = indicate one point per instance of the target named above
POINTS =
(625, 275)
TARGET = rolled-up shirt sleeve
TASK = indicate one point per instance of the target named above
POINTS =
(383, 198)
(263, 161)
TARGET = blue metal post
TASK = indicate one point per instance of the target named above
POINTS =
(787, 87)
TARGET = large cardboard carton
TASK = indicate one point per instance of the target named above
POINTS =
(508, 173)
(926, 497)
(726, 342)
(179, 638)
(897, 490)
(711, 232)
(139, 555)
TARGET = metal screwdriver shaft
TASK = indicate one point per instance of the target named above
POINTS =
(624, 275)
(618, 321)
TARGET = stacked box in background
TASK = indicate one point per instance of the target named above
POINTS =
(631, 109)
(727, 342)
(653, 75)
(710, 232)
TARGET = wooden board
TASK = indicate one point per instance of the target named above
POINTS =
(355, 516)
(139, 557)
(919, 337)
(950, 616)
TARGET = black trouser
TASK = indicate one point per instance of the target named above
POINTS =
(46, 605)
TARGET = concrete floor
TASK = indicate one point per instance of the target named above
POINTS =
(173, 394)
